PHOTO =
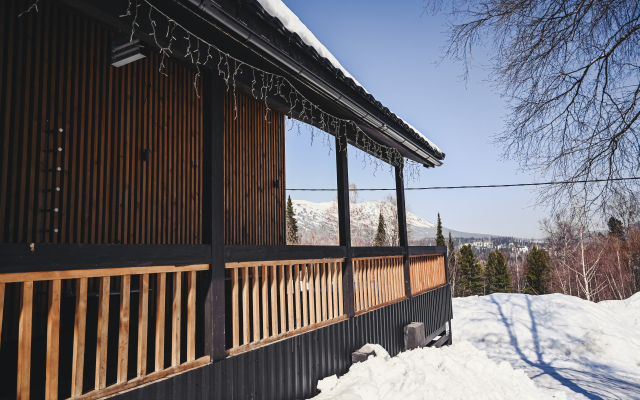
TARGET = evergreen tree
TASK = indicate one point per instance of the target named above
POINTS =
(454, 271)
(615, 228)
(292, 224)
(439, 235)
(537, 271)
(489, 273)
(502, 277)
(381, 234)
(470, 273)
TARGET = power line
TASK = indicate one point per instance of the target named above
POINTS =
(479, 186)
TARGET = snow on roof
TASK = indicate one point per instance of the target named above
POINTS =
(291, 21)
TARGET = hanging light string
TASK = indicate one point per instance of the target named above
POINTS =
(271, 84)
(478, 186)
(33, 6)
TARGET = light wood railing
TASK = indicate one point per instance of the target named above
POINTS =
(378, 281)
(102, 279)
(427, 272)
(273, 300)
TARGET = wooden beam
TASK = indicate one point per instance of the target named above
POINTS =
(79, 337)
(143, 323)
(97, 273)
(103, 332)
(278, 262)
(344, 223)
(213, 228)
(161, 290)
(175, 319)
(402, 227)
(24, 341)
(191, 316)
(53, 340)
(254, 253)
(123, 335)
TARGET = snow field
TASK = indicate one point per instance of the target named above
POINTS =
(460, 371)
(588, 350)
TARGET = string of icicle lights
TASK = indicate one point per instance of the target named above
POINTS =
(264, 85)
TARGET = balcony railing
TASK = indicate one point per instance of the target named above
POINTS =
(427, 272)
(377, 281)
(77, 283)
(278, 299)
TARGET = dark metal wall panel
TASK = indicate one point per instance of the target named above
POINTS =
(55, 73)
(291, 369)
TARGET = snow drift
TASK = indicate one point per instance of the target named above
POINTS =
(588, 350)
(459, 371)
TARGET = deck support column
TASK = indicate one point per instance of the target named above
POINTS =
(344, 224)
(402, 228)
(213, 90)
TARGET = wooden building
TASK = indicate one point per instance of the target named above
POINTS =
(142, 207)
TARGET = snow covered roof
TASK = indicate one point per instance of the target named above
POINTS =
(276, 9)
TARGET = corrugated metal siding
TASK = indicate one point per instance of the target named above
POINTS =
(55, 73)
(290, 369)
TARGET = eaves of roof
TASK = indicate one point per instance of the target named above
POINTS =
(405, 135)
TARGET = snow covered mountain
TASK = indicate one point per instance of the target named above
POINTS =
(311, 216)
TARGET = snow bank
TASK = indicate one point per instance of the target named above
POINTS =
(456, 372)
(588, 350)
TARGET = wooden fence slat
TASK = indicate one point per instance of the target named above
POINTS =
(305, 294)
(290, 296)
(283, 312)
(175, 318)
(265, 302)
(329, 290)
(334, 290)
(24, 341)
(312, 307)
(235, 308)
(274, 300)
(246, 336)
(143, 323)
(123, 336)
(161, 290)
(357, 284)
(340, 298)
(79, 337)
(255, 286)
(191, 316)
(323, 289)
(104, 292)
(53, 338)
(318, 267)
(296, 293)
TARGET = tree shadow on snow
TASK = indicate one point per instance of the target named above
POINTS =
(595, 385)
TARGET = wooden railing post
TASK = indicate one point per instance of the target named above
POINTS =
(213, 90)
(402, 228)
(344, 219)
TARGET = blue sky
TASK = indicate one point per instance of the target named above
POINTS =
(392, 48)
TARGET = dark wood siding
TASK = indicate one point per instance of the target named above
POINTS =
(254, 148)
(55, 73)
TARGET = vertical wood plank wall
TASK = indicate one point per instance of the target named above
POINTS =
(55, 73)
(254, 148)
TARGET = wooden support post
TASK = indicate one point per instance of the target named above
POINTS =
(24, 341)
(402, 228)
(53, 340)
(123, 335)
(344, 223)
(103, 332)
(176, 313)
(79, 330)
(213, 90)
(143, 322)
(161, 287)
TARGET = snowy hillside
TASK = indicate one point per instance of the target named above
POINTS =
(311, 215)
(512, 346)
(587, 350)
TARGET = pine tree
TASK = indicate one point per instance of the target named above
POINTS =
(537, 271)
(454, 271)
(502, 277)
(439, 235)
(489, 273)
(381, 234)
(470, 273)
(292, 224)
(615, 228)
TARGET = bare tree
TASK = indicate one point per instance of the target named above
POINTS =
(571, 73)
